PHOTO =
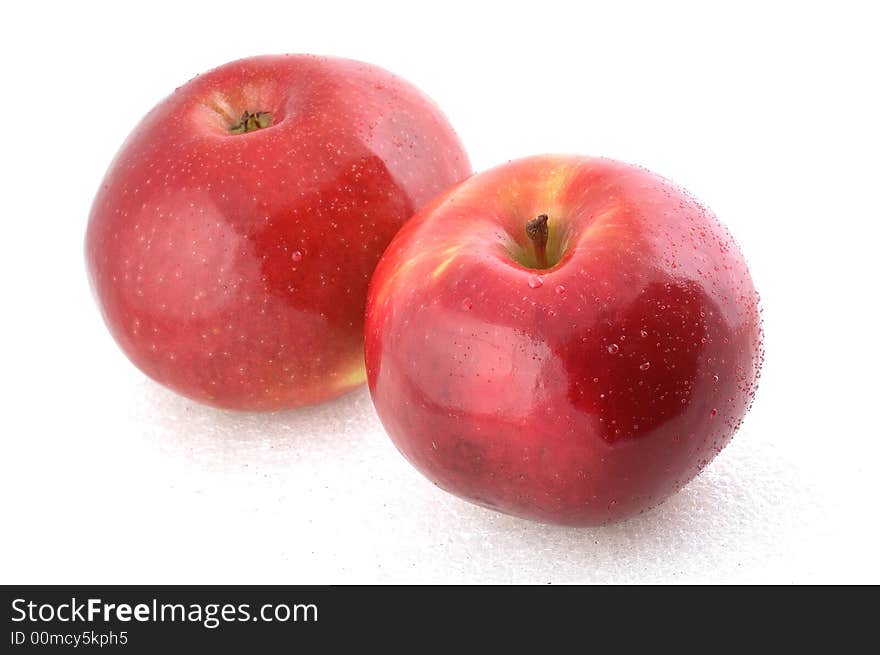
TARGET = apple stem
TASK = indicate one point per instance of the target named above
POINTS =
(251, 122)
(538, 233)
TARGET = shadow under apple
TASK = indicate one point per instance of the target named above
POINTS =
(727, 520)
(219, 440)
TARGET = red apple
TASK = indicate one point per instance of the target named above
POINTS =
(565, 339)
(233, 238)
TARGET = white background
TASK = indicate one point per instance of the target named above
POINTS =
(768, 112)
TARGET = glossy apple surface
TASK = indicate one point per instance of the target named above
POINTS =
(233, 238)
(579, 392)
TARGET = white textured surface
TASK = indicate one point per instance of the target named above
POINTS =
(161, 489)
(768, 115)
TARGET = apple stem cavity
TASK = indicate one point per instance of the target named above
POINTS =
(538, 232)
(251, 122)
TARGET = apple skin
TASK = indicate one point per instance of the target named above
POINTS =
(578, 394)
(233, 267)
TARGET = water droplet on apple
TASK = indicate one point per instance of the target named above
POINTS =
(643, 333)
(645, 366)
(560, 289)
(613, 349)
(466, 304)
(715, 378)
(713, 413)
(296, 255)
(535, 281)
